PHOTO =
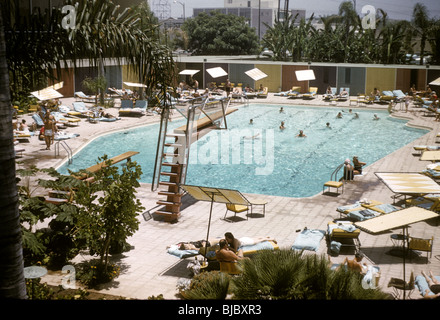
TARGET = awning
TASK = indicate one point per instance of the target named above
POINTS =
(436, 82)
(408, 183)
(133, 84)
(188, 72)
(395, 220)
(46, 94)
(304, 75)
(217, 72)
(256, 74)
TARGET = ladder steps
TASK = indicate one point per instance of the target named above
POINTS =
(170, 174)
(168, 203)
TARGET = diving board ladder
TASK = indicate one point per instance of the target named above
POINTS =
(173, 155)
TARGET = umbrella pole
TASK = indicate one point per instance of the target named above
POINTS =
(209, 225)
(405, 234)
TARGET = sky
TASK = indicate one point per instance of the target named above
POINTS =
(396, 9)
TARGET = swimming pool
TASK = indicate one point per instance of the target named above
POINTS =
(259, 157)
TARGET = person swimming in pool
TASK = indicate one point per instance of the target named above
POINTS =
(282, 127)
(301, 134)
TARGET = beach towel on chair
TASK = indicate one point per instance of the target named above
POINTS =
(308, 239)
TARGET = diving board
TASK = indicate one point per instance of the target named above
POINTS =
(95, 168)
(125, 156)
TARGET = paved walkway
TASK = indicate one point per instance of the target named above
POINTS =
(149, 270)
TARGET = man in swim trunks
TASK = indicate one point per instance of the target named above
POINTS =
(49, 130)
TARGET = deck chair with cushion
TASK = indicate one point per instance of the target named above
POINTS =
(83, 97)
(311, 94)
(263, 94)
(294, 93)
(81, 108)
(419, 244)
(236, 208)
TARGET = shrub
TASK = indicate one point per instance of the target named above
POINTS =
(208, 285)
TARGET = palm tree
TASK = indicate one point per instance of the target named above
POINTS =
(12, 283)
(422, 24)
(101, 32)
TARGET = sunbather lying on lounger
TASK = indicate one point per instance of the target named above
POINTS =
(434, 285)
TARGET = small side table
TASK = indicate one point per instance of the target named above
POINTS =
(258, 202)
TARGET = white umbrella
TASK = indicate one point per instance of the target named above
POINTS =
(47, 94)
(304, 75)
(133, 84)
(436, 82)
(217, 72)
(256, 74)
(188, 72)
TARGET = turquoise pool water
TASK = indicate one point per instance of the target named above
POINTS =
(274, 162)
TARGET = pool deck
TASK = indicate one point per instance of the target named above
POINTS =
(147, 269)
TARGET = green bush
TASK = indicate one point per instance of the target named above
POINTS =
(208, 285)
(93, 273)
(287, 274)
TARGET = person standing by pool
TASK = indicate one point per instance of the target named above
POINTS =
(49, 130)
(348, 170)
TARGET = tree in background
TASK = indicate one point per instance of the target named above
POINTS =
(215, 33)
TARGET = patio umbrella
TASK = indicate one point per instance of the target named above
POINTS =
(305, 75)
(136, 85)
(436, 82)
(46, 94)
(256, 74)
(394, 220)
(188, 72)
(217, 72)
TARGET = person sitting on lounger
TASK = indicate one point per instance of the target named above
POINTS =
(224, 254)
(356, 264)
(233, 243)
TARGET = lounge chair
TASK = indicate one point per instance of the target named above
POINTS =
(126, 103)
(80, 107)
(236, 208)
(424, 287)
(345, 233)
(386, 97)
(328, 96)
(311, 94)
(399, 95)
(64, 120)
(294, 93)
(263, 94)
(343, 96)
(83, 97)
(36, 117)
(308, 239)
